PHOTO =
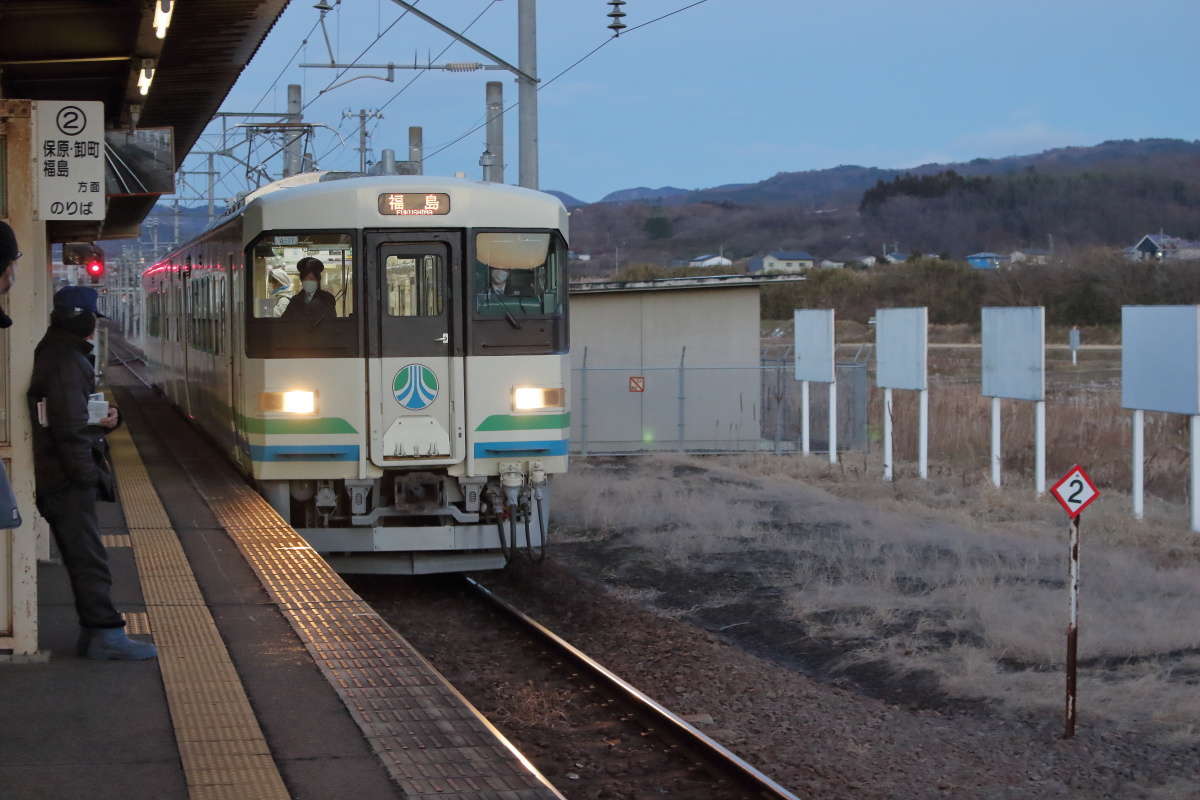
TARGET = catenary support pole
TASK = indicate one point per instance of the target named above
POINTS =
(833, 414)
(887, 434)
(291, 151)
(1194, 494)
(1139, 464)
(495, 130)
(527, 99)
(805, 440)
(1072, 629)
(996, 442)
(923, 433)
(1039, 465)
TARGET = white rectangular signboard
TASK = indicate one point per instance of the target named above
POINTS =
(814, 344)
(1160, 358)
(1014, 353)
(901, 348)
(70, 159)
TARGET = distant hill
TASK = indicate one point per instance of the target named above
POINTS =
(1106, 194)
(567, 200)
(845, 184)
(644, 194)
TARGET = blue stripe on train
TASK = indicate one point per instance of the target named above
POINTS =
(304, 452)
(554, 447)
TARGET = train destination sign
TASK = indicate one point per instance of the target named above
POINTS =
(414, 204)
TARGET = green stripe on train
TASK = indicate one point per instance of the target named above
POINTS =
(530, 422)
(295, 426)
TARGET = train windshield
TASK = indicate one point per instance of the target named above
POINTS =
(304, 276)
(518, 274)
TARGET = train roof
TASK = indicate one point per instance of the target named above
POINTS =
(354, 203)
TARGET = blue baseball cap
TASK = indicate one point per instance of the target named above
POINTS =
(79, 297)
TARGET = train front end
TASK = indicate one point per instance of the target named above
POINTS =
(413, 422)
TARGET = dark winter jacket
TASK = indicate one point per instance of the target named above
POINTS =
(68, 451)
(321, 306)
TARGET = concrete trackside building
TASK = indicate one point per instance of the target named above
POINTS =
(668, 364)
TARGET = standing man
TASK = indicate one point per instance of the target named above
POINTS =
(70, 458)
(311, 303)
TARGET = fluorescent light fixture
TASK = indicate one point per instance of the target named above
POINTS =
(162, 17)
(299, 401)
(529, 398)
(146, 75)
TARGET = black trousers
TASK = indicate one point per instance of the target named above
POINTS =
(71, 513)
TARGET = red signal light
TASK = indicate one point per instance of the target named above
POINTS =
(95, 269)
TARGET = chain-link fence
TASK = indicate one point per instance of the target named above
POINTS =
(711, 409)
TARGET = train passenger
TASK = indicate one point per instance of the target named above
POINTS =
(71, 470)
(311, 303)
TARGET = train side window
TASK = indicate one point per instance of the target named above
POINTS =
(415, 285)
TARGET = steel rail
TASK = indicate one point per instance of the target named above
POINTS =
(747, 773)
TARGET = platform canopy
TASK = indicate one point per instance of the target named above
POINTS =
(95, 50)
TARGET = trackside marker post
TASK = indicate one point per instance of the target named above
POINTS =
(1074, 491)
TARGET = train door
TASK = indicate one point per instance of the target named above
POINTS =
(415, 385)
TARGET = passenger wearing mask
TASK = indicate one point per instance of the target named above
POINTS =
(71, 469)
(311, 303)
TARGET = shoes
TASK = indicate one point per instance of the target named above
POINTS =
(111, 644)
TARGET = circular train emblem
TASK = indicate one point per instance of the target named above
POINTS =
(415, 387)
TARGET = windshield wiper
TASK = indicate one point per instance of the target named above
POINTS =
(512, 320)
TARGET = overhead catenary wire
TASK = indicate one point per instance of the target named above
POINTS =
(560, 74)
(415, 77)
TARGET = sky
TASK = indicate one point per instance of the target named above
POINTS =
(733, 91)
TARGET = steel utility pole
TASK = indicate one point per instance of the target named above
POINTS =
(495, 132)
(364, 116)
(527, 80)
(291, 150)
(527, 122)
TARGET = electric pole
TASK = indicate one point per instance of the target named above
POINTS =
(527, 120)
(364, 117)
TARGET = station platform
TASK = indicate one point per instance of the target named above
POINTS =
(274, 679)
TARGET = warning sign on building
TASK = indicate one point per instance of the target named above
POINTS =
(69, 148)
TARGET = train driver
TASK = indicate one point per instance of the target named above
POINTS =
(311, 303)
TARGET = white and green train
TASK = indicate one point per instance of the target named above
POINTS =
(405, 415)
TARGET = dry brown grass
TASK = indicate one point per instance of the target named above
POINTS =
(949, 576)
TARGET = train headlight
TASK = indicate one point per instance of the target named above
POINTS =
(536, 398)
(296, 401)
(299, 402)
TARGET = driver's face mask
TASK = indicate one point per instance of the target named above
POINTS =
(310, 287)
(499, 277)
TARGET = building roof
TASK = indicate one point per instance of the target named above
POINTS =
(84, 50)
(792, 255)
(987, 254)
(705, 257)
(676, 284)
(1163, 241)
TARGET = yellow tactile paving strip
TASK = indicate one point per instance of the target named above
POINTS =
(433, 743)
(224, 753)
(136, 623)
(116, 540)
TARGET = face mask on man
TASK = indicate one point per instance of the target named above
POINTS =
(310, 287)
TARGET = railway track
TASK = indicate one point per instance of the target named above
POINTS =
(590, 732)
(582, 725)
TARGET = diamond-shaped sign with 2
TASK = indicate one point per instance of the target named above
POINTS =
(1075, 491)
